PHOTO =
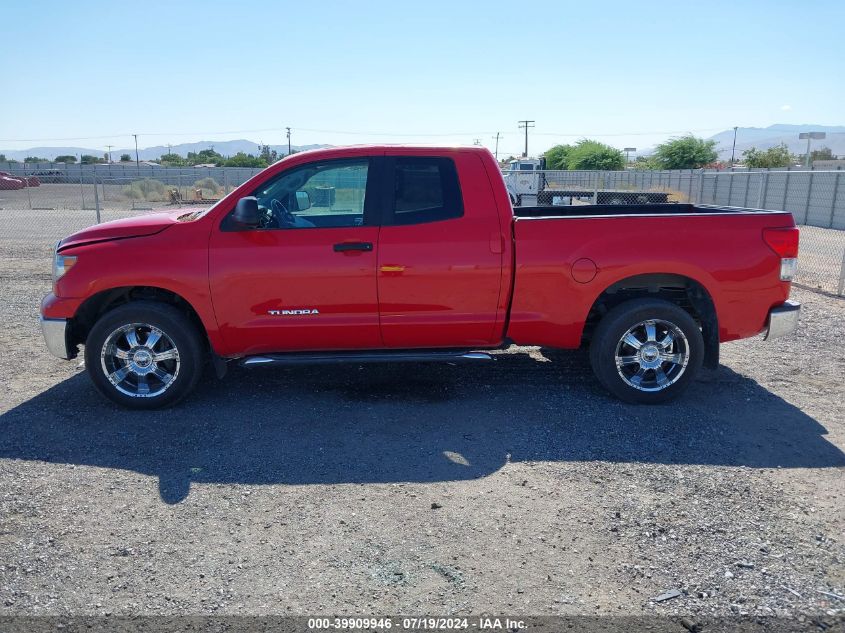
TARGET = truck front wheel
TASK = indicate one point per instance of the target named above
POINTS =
(144, 355)
(646, 351)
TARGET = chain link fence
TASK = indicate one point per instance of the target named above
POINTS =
(41, 204)
(44, 205)
(816, 200)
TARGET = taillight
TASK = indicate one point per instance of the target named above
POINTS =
(784, 242)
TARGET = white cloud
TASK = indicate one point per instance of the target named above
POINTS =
(786, 108)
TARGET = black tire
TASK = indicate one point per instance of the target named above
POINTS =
(176, 330)
(661, 381)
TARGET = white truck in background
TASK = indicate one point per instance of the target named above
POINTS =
(528, 185)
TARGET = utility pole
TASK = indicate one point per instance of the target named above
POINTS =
(733, 149)
(169, 149)
(525, 125)
(288, 129)
(496, 153)
(108, 151)
(628, 151)
(137, 160)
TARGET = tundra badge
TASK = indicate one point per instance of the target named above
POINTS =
(293, 312)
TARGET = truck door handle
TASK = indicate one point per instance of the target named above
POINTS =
(353, 246)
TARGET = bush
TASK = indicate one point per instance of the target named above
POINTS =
(557, 156)
(777, 156)
(146, 189)
(686, 152)
(207, 184)
(243, 160)
(133, 193)
(589, 154)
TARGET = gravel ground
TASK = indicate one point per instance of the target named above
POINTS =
(516, 486)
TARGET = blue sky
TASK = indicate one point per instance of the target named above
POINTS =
(628, 73)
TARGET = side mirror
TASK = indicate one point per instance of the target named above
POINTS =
(303, 201)
(246, 212)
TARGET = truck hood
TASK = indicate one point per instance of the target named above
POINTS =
(139, 226)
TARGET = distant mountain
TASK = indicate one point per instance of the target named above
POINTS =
(226, 148)
(49, 152)
(766, 137)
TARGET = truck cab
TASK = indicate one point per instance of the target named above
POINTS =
(524, 180)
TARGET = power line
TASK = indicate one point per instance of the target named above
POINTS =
(355, 133)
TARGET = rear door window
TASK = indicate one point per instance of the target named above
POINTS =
(425, 190)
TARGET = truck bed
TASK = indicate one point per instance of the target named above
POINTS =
(721, 248)
(598, 210)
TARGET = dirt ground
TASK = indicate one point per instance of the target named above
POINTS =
(515, 486)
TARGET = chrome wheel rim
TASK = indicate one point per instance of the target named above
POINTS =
(140, 360)
(652, 355)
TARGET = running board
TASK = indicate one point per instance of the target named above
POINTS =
(418, 356)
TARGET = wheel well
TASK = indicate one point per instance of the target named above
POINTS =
(97, 305)
(684, 292)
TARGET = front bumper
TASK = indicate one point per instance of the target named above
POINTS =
(55, 335)
(783, 319)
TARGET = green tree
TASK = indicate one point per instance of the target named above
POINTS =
(244, 160)
(589, 154)
(88, 159)
(777, 156)
(268, 155)
(125, 158)
(66, 158)
(686, 152)
(822, 153)
(35, 159)
(204, 156)
(175, 160)
(557, 156)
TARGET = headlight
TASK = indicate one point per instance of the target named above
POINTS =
(62, 264)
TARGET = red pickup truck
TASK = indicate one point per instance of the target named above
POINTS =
(413, 254)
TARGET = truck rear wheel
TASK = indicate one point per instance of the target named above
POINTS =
(144, 355)
(646, 351)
